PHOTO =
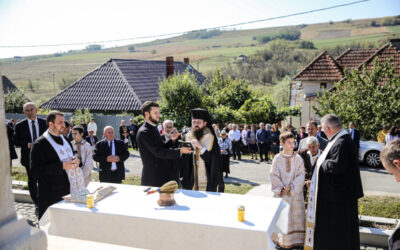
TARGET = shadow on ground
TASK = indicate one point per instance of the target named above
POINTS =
(234, 180)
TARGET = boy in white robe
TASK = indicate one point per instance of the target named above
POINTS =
(287, 180)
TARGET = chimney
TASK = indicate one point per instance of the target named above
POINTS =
(395, 42)
(170, 66)
(186, 60)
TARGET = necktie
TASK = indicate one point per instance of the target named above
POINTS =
(34, 134)
(110, 145)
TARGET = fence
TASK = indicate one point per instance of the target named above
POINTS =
(100, 120)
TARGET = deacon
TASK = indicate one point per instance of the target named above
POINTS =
(332, 214)
(51, 156)
(155, 154)
(203, 170)
(26, 133)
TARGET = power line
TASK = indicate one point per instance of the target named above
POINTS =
(179, 33)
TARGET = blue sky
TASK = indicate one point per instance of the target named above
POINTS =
(24, 22)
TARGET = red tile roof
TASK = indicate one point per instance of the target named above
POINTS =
(386, 52)
(353, 58)
(322, 68)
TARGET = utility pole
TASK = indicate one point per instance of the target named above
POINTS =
(54, 86)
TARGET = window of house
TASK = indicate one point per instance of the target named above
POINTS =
(323, 85)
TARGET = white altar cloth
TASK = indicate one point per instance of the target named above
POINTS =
(199, 220)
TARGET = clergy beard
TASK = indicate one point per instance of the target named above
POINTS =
(198, 133)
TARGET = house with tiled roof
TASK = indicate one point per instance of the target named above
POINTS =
(323, 71)
(119, 85)
(354, 58)
(390, 51)
(320, 73)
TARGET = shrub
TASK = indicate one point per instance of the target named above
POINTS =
(307, 45)
(14, 101)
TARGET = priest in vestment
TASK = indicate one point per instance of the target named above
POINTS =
(201, 169)
(51, 157)
(332, 216)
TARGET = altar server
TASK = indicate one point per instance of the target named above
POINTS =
(287, 180)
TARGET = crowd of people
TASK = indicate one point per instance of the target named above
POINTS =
(315, 170)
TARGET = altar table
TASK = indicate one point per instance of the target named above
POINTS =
(198, 220)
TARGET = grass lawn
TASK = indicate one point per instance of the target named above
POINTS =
(237, 188)
(19, 174)
(377, 206)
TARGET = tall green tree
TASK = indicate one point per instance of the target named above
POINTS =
(369, 98)
(178, 95)
(281, 92)
(227, 92)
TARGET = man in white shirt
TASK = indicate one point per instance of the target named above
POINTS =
(92, 126)
(234, 136)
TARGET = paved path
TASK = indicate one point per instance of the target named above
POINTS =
(375, 181)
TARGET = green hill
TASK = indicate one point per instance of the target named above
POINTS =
(206, 51)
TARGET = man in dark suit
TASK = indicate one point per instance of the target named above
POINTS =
(111, 154)
(124, 133)
(312, 129)
(91, 138)
(10, 136)
(155, 154)
(26, 133)
(355, 135)
(67, 131)
(133, 128)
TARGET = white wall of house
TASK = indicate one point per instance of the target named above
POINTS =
(307, 111)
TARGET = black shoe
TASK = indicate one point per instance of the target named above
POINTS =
(261, 160)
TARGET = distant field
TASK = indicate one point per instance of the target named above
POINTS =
(325, 43)
(205, 54)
